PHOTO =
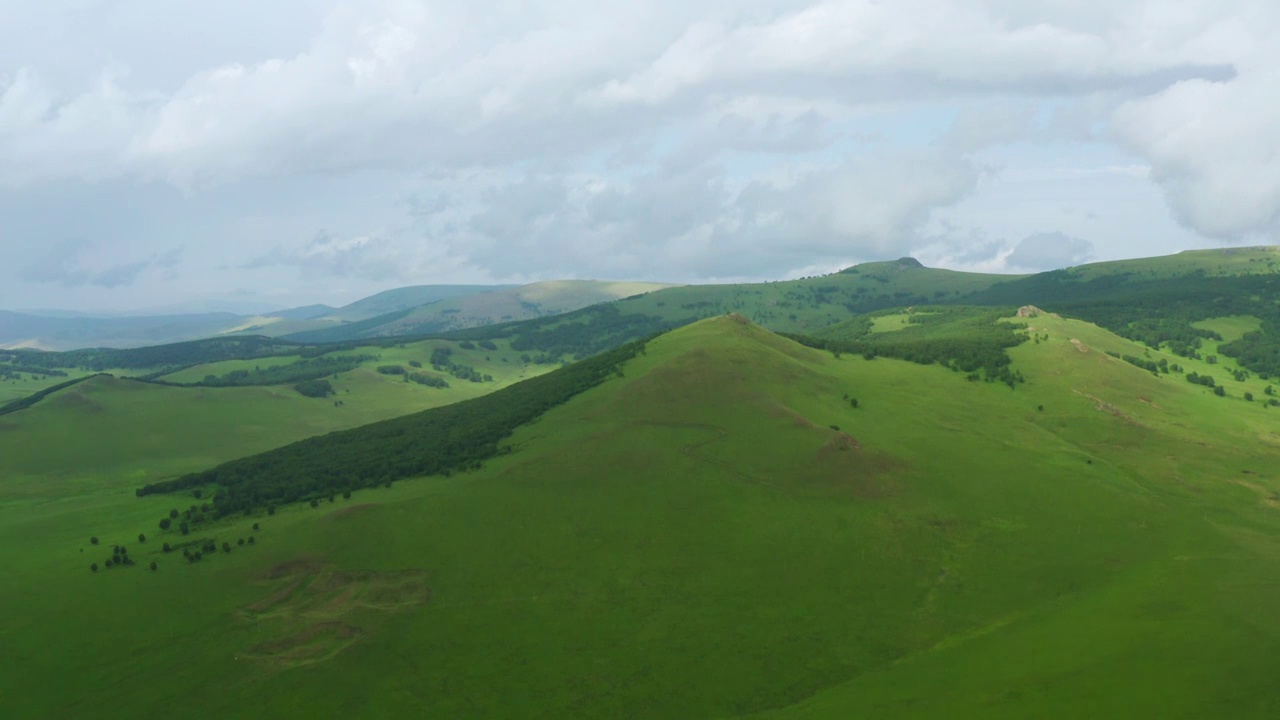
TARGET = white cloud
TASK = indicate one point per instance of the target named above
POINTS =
(1049, 251)
(1214, 148)
(664, 139)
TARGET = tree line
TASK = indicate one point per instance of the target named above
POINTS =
(441, 440)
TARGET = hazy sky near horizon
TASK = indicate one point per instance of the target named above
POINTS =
(158, 154)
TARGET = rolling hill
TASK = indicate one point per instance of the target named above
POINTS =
(459, 312)
(720, 523)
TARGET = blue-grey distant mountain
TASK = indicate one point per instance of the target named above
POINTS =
(65, 333)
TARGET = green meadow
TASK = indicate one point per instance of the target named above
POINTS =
(717, 533)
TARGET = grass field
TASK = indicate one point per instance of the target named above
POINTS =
(695, 539)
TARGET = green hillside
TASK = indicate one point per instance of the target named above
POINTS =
(717, 531)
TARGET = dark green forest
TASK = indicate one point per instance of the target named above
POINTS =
(442, 440)
(972, 340)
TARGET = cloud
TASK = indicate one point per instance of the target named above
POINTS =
(1214, 149)
(365, 257)
(69, 266)
(1049, 251)
(392, 83)
(699, 222)
(669, 140)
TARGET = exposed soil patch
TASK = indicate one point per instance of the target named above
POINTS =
(782, 411)
(310, 604)
(1103, 406)
(351, 510)
(1265, 496)
(1079, 345)
(312, 644)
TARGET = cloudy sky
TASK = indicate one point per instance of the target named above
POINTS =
(157, 153)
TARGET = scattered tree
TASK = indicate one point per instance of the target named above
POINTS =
(255, 527)
(173, 513)
(226, 547)
(166, 548)
(251, 540)
(1219, 391)
(1248, 396)
(346, 495)
(165, 523)
(240, 541)
(93, 540)
(142, 538)
(153, 565)
(94, 567)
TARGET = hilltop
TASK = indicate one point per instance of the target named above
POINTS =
(469, 310)
(719, 523)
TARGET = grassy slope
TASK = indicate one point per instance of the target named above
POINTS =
(115, 434)
(1227, 261)
(472, 310)
(12, 389)
(693, 541)
(503, 363)
(802, 305)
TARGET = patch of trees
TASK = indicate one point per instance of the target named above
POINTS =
(1151, 366)
(970, 340)
(442, 440)
(11, 370)
(183, 354)
(295, 372)
(1198, 379)
(442, 360)
(434, 381)
(391, 370)
(315, 388)
(1258, 350)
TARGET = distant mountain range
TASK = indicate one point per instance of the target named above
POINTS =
(415, 309)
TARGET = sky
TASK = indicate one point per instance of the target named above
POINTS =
(242, 155)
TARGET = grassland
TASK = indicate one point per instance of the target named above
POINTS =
(717, 534)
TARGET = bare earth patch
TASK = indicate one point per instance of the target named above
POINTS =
(309, 604)
(1079, 345)
(349, 511)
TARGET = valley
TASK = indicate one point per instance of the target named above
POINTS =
(719, 522)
